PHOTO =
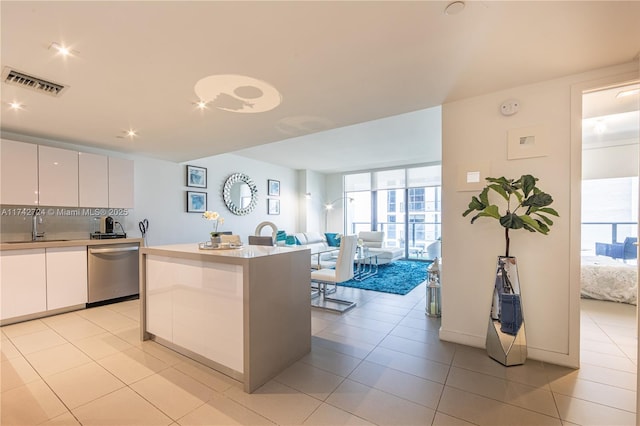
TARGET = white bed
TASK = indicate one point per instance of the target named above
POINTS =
(605, 278)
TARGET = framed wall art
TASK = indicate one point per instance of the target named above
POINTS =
(196, 202)
(196, 176)
(273, 206)
(273, 187)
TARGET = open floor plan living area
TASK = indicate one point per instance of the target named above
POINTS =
(321, 213)
(380, 364)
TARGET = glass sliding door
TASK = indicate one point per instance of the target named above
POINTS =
(358, 212)
(424, 221)
(416, 228)
(423, 210)
(402, 203)
(390, 216)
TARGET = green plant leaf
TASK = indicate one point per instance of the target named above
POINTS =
(544, 228)
(484, 213)
(501, 180)
(549, 210)
(500, 190)
(484, 196)
(508, 187)
(511, 221)
(545, 219)
(540, 199)
(532, 223)
(492, 211)
(474, 204)
(528, 183)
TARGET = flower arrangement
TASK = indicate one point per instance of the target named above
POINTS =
(217, 220)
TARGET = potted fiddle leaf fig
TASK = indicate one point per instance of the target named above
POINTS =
(526, 206)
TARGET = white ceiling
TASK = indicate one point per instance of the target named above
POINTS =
(335, 64)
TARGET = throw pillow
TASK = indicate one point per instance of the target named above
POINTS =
(333, 239)
(291, 240)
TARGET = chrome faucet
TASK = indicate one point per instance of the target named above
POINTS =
(35, 219)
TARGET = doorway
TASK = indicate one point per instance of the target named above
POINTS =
(609, 223)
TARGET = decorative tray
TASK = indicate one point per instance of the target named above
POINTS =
(209, 246)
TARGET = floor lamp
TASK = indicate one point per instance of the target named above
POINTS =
(328, 207)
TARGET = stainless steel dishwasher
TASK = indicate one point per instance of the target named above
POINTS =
(113, 271)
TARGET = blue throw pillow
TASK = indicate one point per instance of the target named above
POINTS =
(333, 239)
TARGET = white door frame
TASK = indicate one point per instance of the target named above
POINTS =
(577, 91)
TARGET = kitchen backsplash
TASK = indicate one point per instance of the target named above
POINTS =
(70, 223)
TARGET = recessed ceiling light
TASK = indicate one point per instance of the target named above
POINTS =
(128, 134)
(454, 8)
(63, 50)
(200, 105)
(626, 93)
(15, 106)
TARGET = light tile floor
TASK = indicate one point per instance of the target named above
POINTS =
(381, 363)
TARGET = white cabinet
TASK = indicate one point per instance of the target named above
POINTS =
(66, 277)
(33, 175)
(18, 173)
(120, 183)
(23, 282)
(39, 280)
(57, 177)
(93, 180)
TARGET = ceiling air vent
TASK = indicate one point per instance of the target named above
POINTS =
(18, 78)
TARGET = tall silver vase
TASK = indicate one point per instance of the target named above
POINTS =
(506, 340)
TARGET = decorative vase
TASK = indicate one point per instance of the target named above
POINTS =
(433, 308)
(506, 340)
(215, 241)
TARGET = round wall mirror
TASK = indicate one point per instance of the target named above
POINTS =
(240, 194)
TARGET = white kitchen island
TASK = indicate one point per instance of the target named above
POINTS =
(244, 312)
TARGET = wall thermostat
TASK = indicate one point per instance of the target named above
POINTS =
(509, 107)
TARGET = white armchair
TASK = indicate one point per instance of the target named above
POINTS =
(374, 240)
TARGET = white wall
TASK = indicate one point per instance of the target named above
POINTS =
(334, 190)
(310, 209)
(474, 132)
(160, 196)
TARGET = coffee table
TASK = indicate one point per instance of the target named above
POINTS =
(365, 264)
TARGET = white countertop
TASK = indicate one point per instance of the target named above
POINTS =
(244, 252)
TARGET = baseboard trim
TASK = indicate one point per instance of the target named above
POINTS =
(462, 338)
(532, 353)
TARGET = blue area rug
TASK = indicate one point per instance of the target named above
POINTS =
(399, 277)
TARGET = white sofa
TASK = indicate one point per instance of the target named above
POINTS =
(316, 240)
(374, 241)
